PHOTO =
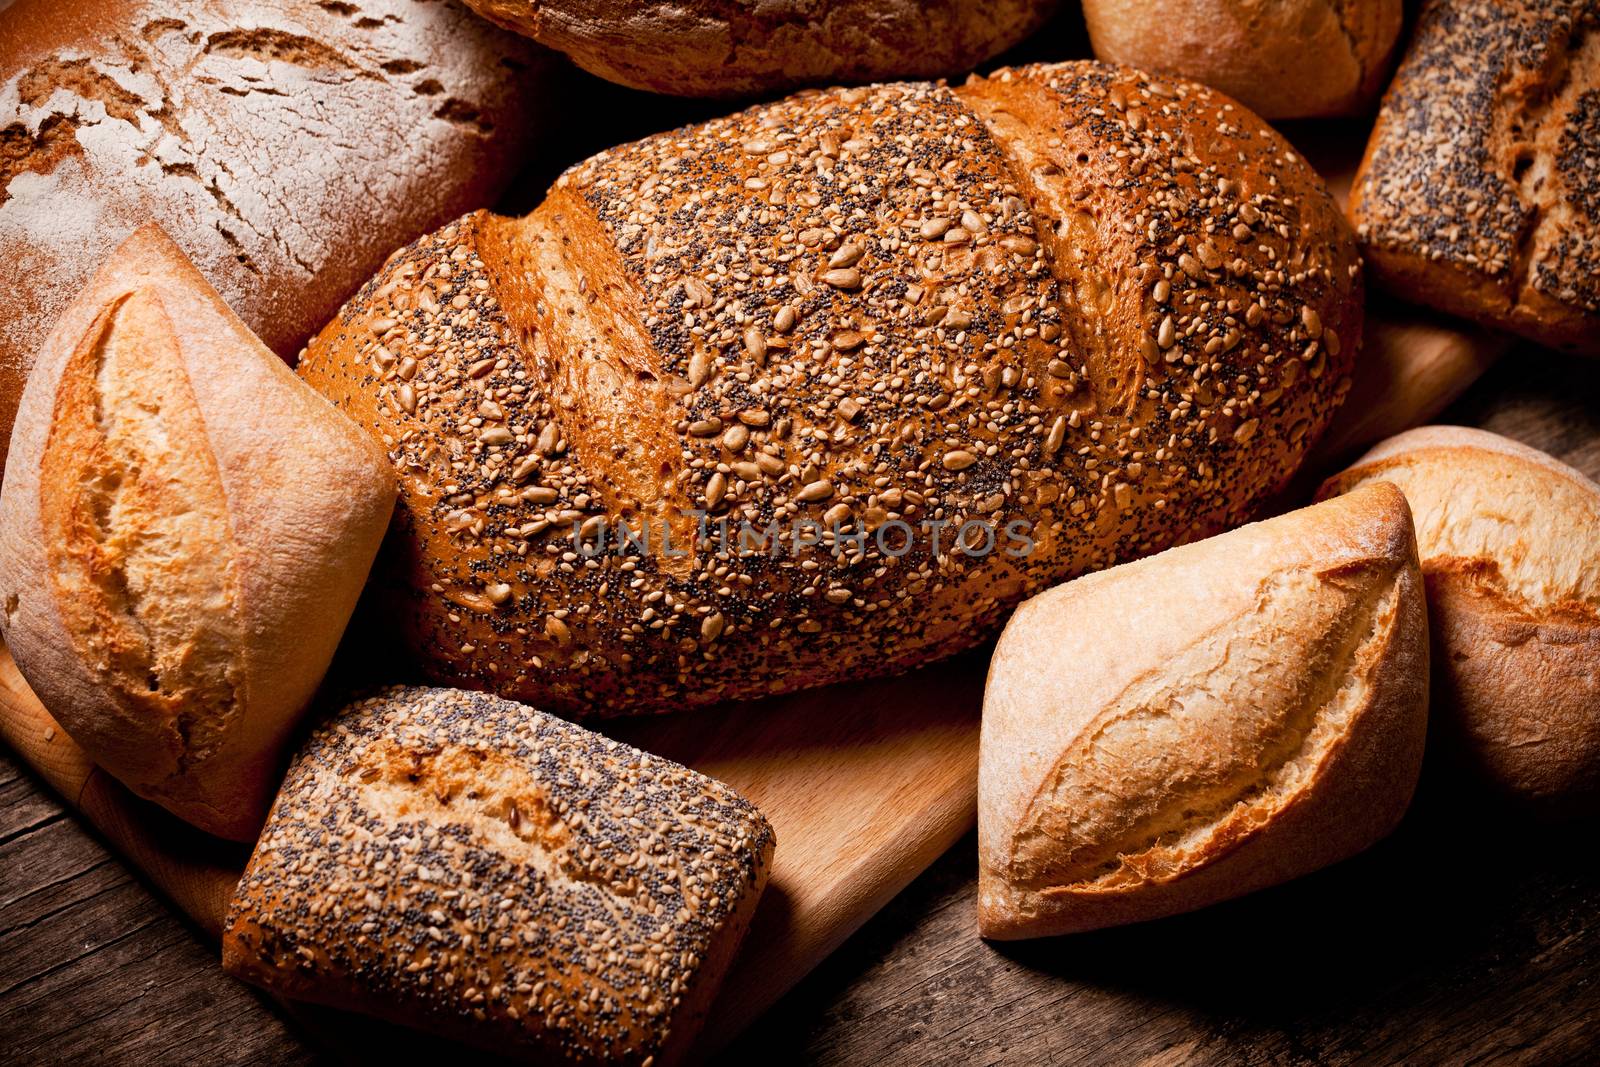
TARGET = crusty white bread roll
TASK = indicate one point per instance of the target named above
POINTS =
(467, 865)
(1479, 193)
(1106, 309)
(1286, 59)
(1510, 546)
(184, 530)
(720, 48)
(1203, 723)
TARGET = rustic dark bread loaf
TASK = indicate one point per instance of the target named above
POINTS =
(1480, 190)
(287, 146)
(723, 48)
(1294, 59)
(467, 865)
(184, 531)
(1203, 723)
(1112, 307)
(1509, 541)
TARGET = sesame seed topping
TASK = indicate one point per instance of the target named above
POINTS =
(1082, 355)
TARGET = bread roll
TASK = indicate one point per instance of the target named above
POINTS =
(1286, 59)
(1480, 190)
(1510, 543)
(286, 145)
(724, 48)
(1203, 723)
(184, 530)
(1113, 309)
(470, 866)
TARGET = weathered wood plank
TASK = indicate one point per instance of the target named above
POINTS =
(95, 969)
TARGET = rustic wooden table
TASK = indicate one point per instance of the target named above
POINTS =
(1467, 937)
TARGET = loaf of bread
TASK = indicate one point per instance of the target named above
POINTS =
(1510, 544)
(1286, 60)
(725, 48)
(1480, 190)
(467, 865)
(184, 530)
(286, 145)
(1203, 723)
(1066, 314)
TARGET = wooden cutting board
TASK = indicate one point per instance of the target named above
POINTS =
(864, 784)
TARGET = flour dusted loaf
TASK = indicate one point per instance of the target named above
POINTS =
(1203, 723)
(287, 146)
(1113, 308)
(1510, 543)
(722, 48)
(1480, 190)
(464, 864)
(1286, 59)
(184, 530)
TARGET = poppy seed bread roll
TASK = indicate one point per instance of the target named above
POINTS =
(467, 865)
(1479, 193)
(1069, 314)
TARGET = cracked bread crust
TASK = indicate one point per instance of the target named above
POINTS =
(1117, 308)
(457, 862)
(1507, 537)
(732, 48)
(1480, 190)
(1136, 764)
(1301, 59)
(286, 150)
(184, 531)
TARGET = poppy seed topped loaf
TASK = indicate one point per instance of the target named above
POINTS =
(1480, 190)
(983, 339)
(463, 864)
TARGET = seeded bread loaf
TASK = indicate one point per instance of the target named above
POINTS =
(184, 530)
(286, 145)
(1480, 190)
(460, 863)
(1509, 541)
(1286, 59)
(1204, 723)
(723, 48)
(1111, 308)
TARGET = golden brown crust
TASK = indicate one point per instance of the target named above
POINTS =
(729, 48)
(1507, 536)
(467, 865)
(129, 554)
(286, 152)
(185, 529)
(1300, 59)
(1138, 762)
(1115, 309)
(1479, 193)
